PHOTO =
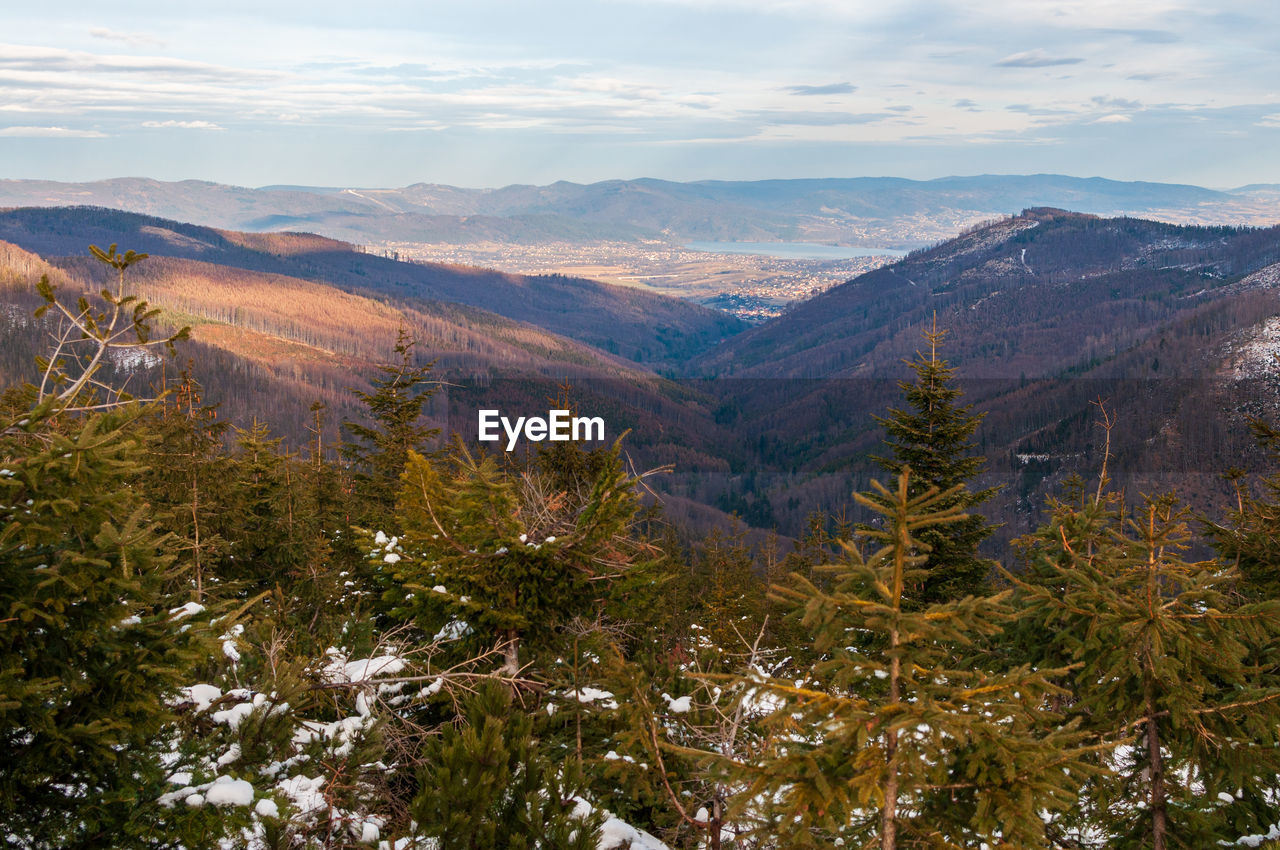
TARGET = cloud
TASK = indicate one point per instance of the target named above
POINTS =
(50, 133)
(965, 103)
(1117, 102)
(818, 119)
(184, 125)
(1145, 36)
(1032, 109)
(616, 88)
(49, 60)
(829, 88)
(133, 39)
(1036, 59)
(1272, 120)
(1113, 119)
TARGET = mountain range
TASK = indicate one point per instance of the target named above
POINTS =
(874, 211)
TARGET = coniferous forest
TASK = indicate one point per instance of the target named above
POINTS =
(211, 639)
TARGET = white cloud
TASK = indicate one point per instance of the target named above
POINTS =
(184, 125)
(50, 133)
(616, 88)
(133, 39)
(823, 73)
(1036, 59)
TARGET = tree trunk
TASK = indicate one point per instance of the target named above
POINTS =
(1159, 812)
(511, 654)
(889, 815)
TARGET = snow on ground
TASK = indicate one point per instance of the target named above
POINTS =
(134, 359)
(1256, 355)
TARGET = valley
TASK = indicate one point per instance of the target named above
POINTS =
(643, 233)
(1116, 356)
(1047, 313)
(752, 287)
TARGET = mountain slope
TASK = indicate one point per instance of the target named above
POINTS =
(1048, 314)
(267, 346)
(637, 325)
(1027, 296)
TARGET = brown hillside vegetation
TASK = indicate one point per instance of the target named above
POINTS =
(267, 346)
(639, 326)
(284, 244)
(19, 268)
(342, 324)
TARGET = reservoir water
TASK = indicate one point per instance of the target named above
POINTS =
(793, 250)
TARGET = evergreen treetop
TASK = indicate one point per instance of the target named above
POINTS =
(903, 737)
(932, 435)
(507, 554)
(380, 450)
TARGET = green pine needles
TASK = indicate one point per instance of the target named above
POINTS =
(906, 734)
(1168, 662)
(932, 434)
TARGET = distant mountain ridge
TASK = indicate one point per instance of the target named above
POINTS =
(882, 211)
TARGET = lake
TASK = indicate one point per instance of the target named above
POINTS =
(793, 250)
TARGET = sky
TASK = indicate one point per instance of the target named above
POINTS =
(484, 93)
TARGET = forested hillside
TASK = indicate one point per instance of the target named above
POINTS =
(209, 641)
(268, 347)
(633, 324)
(1046, 312)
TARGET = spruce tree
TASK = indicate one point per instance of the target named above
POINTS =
(504, 553)
(1163, 657)
(1250, 537)
(187, 478)
(905, 735)
(489, 784)
(728, 596)
(90, 653)
(689, 719)
(379, 450)
(268, 527)
(932, 434)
